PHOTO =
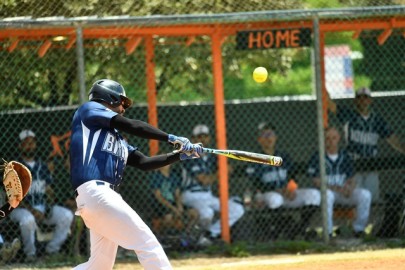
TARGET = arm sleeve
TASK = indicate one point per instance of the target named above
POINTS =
(138, 160)
(138, 128)
(383, 128)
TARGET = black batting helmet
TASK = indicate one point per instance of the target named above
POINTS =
(111, 92)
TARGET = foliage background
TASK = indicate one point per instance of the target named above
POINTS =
(181, 73)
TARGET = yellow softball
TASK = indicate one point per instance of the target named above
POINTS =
(260, 74)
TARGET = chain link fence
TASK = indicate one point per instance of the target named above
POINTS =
(169, 67)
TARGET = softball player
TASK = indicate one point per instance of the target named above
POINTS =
(340, 181)
(98, 156)
(272, 182)
(363, 128)
(198, 177)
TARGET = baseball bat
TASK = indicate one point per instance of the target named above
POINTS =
(247, 156)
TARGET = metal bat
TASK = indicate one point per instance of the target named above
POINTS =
(247, 156)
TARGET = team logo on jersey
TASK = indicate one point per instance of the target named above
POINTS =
(115, 146)
(363, 137)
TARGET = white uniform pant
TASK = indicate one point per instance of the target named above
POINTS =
(304, 197)
(59, 216)
(207, 205)
(369, 181)
(361, 198)
(112, 223)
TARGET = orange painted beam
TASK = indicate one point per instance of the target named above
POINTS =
(190, 40)
(72, 40)
(13, 45)
(132, 44)
(220, 125)
(356, 34)
(93, 32)
(44, 48)
(151, 90)
(384, 36)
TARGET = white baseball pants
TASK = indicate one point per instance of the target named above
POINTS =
(207, 204)
(361, 198)
(60, 217)
(112, 223)
(304, 197)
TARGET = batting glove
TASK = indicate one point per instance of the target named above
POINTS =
(180, 143)
(194, 153)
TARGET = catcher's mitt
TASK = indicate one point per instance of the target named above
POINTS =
(17, 181)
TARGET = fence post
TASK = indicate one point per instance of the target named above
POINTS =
(221, 132)
(80, 64)
(319, 106)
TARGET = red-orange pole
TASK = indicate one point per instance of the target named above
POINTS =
(323, 78)
(221, 132)
(151, 90)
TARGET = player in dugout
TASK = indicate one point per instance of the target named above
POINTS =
(98, 156)
(363, 129)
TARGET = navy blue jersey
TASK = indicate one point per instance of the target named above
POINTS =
(96, 150)
(207, 164)
(166, 185)
(337, 172)
(268, 178)
(41, 177)
(362, 134)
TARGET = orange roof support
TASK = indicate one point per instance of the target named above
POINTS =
(220, 124)
(356, 34)
(190, 41)
(151, 90)
(13, 45)
(132, 44)
(384, 36)
(72, 40)
(44, 48)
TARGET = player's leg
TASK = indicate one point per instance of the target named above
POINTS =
(107, 214)
(273, 200)
(330, 201)
(201, 202)
(361, 198)
(102, 253)
(27, 224)
(369, 181)
(308, 200)
(62, 218)
(235, 212)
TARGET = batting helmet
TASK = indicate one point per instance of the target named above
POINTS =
(111, 92)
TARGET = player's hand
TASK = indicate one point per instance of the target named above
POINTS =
(181, 144)
(193, 153)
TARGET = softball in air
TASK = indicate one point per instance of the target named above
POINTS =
(260, 74)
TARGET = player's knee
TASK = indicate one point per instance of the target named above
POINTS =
(330, 197)
(206, 213)
(365, 196)
(28, 222)
(274, 201)
(313, 197)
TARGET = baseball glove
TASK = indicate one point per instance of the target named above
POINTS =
(17, 181)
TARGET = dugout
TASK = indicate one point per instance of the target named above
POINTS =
(133, 32)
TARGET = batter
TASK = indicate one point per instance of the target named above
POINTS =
(98, 156)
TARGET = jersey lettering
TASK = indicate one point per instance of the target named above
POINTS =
(359, 136)
(337, 179)
(114, 146)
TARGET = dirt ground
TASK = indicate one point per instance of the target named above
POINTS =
(390, 259)
(370, 260)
